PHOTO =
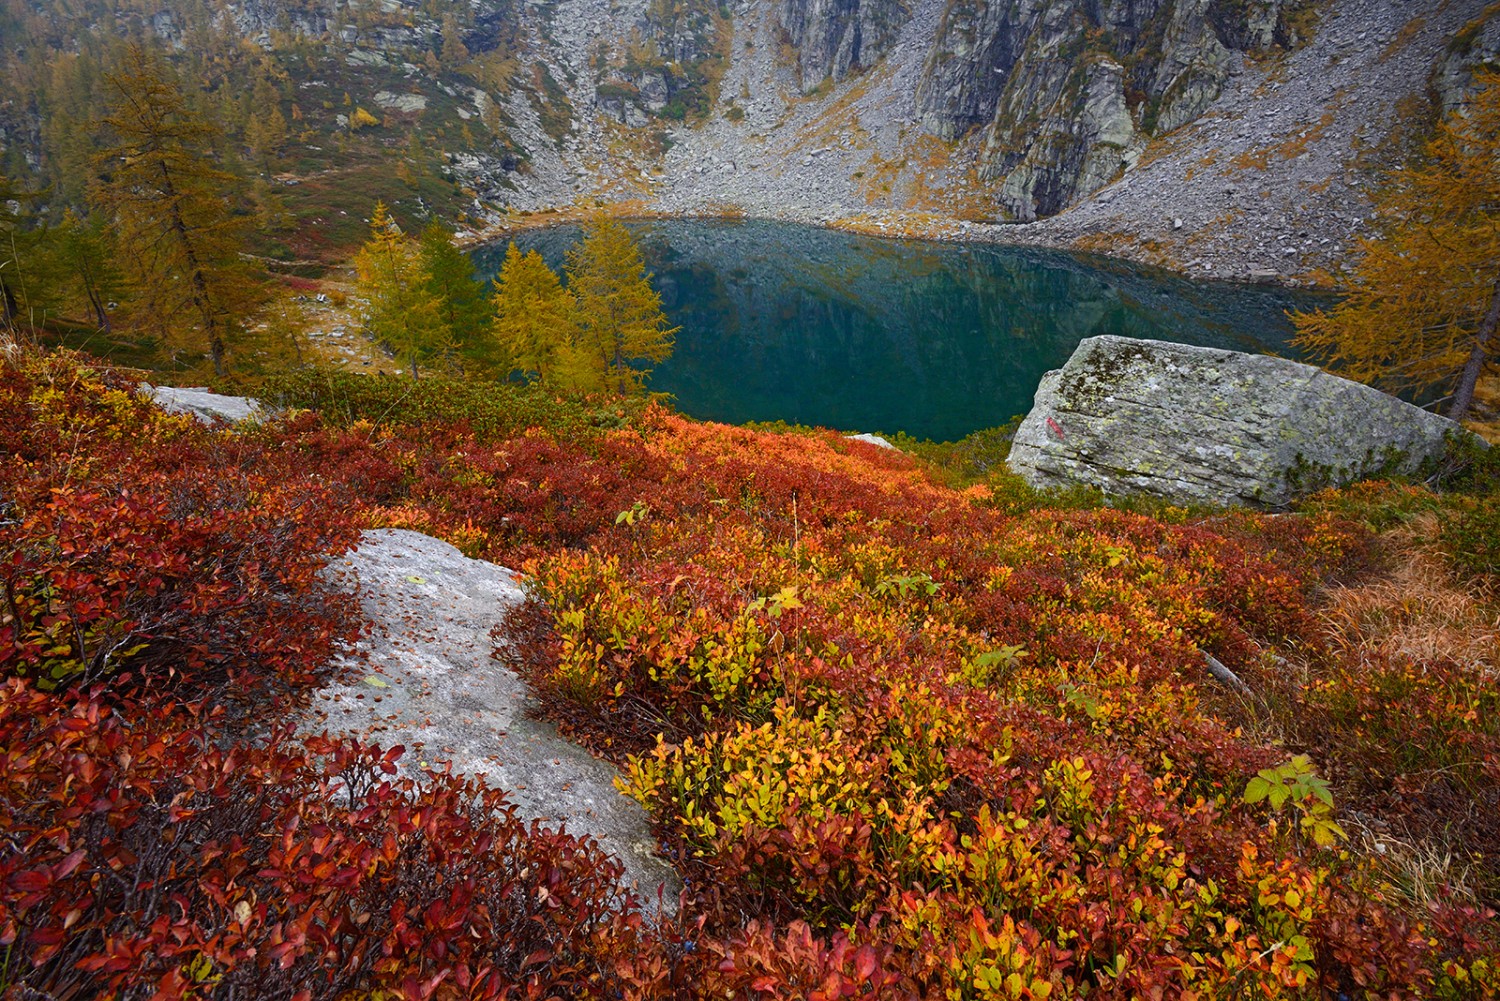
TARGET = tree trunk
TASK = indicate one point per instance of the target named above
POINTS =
(201, 298)
(101, 315)
(9, 308)
(1463, 398)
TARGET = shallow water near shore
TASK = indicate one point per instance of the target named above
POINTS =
(813, 326)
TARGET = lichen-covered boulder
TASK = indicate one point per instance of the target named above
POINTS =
(1210, 426)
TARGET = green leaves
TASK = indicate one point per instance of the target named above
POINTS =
(403, 310)
(902, 585)
(634, 514)
(1294, 780)
(1297, 784)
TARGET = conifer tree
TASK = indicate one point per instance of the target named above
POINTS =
(455, 53)
(265, 134)
(1424, 300)
(620, 320)
(171, 206)
(535, 322)
(86, 259)
(29, 274)
(403, 311)
(12, 258)
(450, 277)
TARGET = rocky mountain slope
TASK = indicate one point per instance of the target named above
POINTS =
(1223, 137)
(1250, 162)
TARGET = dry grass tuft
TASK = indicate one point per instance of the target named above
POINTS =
(1419, 869)
(1421, 612)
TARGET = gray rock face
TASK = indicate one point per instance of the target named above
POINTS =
(1475, 48)
(1067, 94)
(425, 678)
(404, 103)
(837, 37)
(202, 404)
(1210, 426)
(873, 439)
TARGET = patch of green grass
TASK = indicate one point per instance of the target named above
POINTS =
(966, 461)
(126, 350)
(492, 410)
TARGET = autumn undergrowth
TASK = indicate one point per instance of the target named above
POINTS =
(905, 733)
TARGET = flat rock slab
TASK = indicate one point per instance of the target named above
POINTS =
(1209, 426)
(426, 679)
(873, 439)
(202, 404)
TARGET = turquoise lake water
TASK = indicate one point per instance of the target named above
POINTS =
(811, 326)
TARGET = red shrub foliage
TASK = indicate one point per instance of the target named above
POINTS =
(144, 545)
(903, 741)
(146, 860)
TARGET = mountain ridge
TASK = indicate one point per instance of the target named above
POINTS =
(1224, 138)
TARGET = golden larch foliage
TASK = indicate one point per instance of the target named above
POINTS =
(1424, 298)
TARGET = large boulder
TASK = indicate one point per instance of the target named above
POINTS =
(1209, 426)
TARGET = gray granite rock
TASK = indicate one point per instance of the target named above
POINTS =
(1211, 426)
(202, 404)
(873, 439)
(424, 678)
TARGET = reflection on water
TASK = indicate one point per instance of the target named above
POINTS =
(817, 327)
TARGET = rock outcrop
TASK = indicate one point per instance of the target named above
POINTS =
(202, 404)
(837, 37)
(1067, 95)
(1474, 49)
(1208, 426)
(424, 677)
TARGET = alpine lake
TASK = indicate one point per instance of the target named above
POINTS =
(813, 326)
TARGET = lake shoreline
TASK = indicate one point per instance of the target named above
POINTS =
(918, 226)
(828, 327)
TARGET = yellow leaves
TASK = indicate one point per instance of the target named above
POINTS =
(535, 320)
(751, 776)
(985, 668)
(1419, 293)
(620, 322)
(786, 598)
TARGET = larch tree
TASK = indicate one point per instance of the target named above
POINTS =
(403, 311)
(1424, 299)
(454, 52)
(31, 272)
(535, 323)
(620, 319)
(172, 207)
(13, 240)
(450, 277)
(86, 256)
